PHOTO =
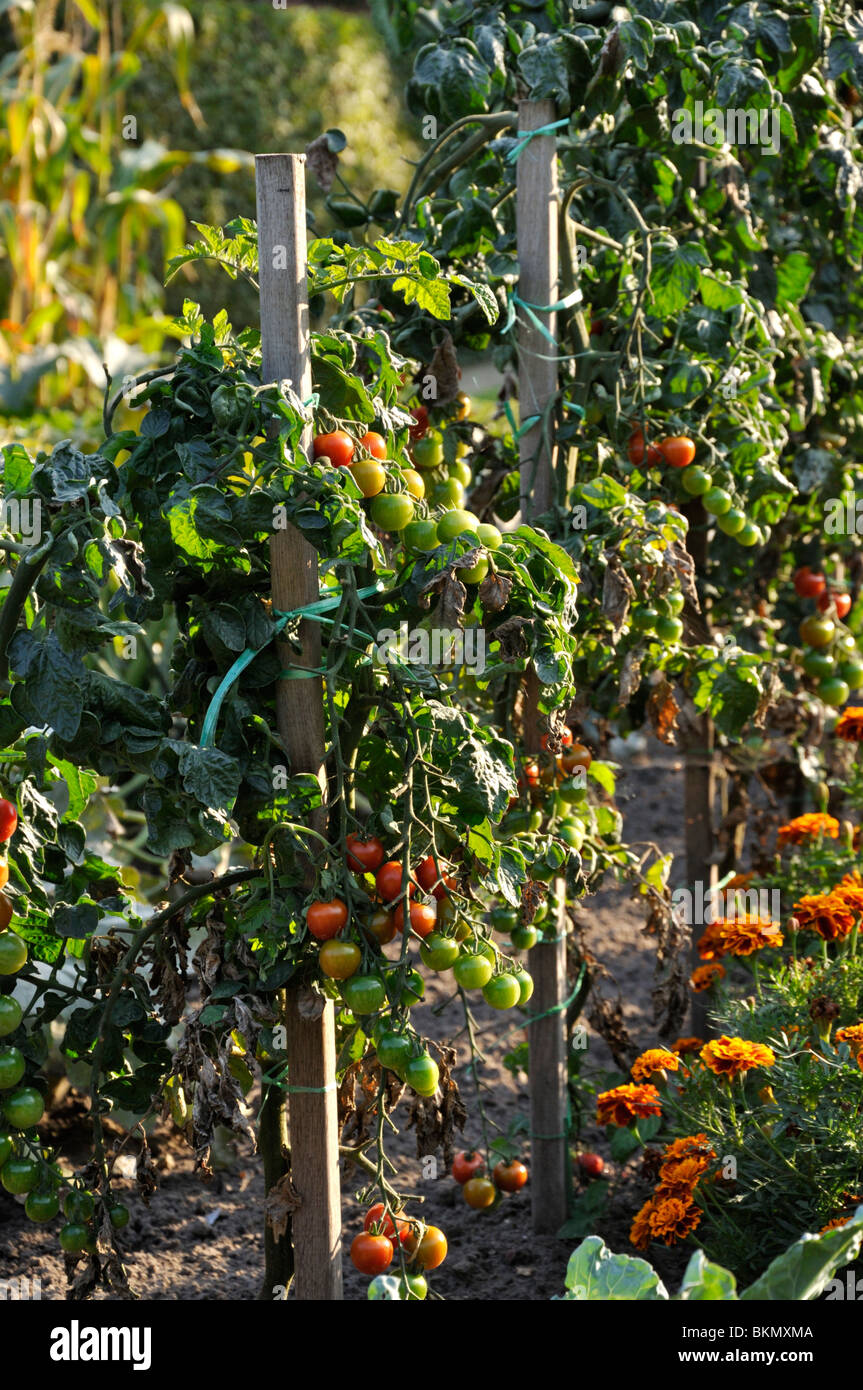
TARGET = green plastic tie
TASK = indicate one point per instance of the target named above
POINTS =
(524, 137)
(532, 310)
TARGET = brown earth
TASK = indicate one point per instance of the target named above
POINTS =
(202, 1242)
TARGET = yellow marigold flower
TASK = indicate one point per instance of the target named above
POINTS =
(807, 828)
(655, 1059)
(703, 976)
(825, 913)
(853, 1036)
(673, 1220)
(850, 724)
(624, 1104)
(732, 1057)
(686, 1045)
(766, 1096)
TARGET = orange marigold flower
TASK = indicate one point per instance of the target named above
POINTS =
(703, 976)
(624, 1104)
(691, 1144)
(740, 880)
(850, 891)
(742, 936)
(678, 1177)
(850, 724)
(835, 1224)
(711, 943)
(853, 1036)
(639, 1234)
(654, 1060)
(683, 1046)
(825, 913)
(673, 1220)
(731, 1057)
(807, 828)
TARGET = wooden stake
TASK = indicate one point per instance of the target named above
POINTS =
(316, 1226)
(537, 229)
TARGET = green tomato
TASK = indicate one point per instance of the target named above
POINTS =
(413, 1286)
(394, 1050)
(13, 953)
(439, 952)
(12, 1067)
(421, 535)
(696, 480)
(462, 472)
(846, 641)
(669, 629)
(24, 1107)
(749, 535)
(525, 985)
(422, 1074)
(833, 691)
(505, 919)
(118, 1215)
(473, 971)
(717, 501)
(572, 791)
(5, 1147)
(364, 994)
(413, 989)
(502, 992)
(671, 605)
(524, 938)
(643, 618)
(489, 535)
(476, 573)
(392, 510)
(19, 1175)
(818, 663)
(448, 494)
(10, 1015)
(520, 823)
(732, 522)
(74, 1238)
(852, 674)
(78, 1205)
(428, 452)
(572, 834)
(456, 523)
(42, 1206)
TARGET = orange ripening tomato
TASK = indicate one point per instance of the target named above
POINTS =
(423, 918)
(635, 451)
(5, 912)
(375, 443)
(339, 959)
(467, 1164)
(364, 856)
(369, 476)
(421, 416)
(431, 1250)
(337, 446)
(381, 927)
(4, 873)
(510, 1176)
(678, 450)
(576, 756)
(479, 1193)
(326, 919)
(841, 602)
(8, 820)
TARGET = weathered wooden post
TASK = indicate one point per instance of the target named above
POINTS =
(537, 233)
(314, 1152)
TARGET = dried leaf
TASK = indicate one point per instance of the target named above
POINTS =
(662, 710)
(630, 676)
(511, 636)
(618, 592)
(280, 1203)
(310, 1004)
(445, 370)
(322, 161)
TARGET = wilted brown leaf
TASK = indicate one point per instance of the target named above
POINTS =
(630, 676)
(445, 370)
(494, 592)
(322, 162)
(280, 1203)
(662, 710)
(617, 593)
(511, 636)
(310, 1004)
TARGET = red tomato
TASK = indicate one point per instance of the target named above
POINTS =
(371, 1254)
(841, 602)
(421, 416)
(590, 1164)
(467, 1164)
(423, 918)
(5, 912)
(8, 820)
(388, 881)
(576, 756)
(325, 920)
(427, 874)
(531, 772)
(636, 451)
(378, 1217)
(510, 1176)
(678, 450)
(565, 738)
(364, 856)
(337, 446)
(809, 584)
(375, 443)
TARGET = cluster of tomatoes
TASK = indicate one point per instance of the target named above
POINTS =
(678, 451)
(351, 953)
(830, 653)
(423, 505)
(480, 1191)
(26, 1169)
(421, 1248)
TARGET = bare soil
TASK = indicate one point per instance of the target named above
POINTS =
(200, 1241)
